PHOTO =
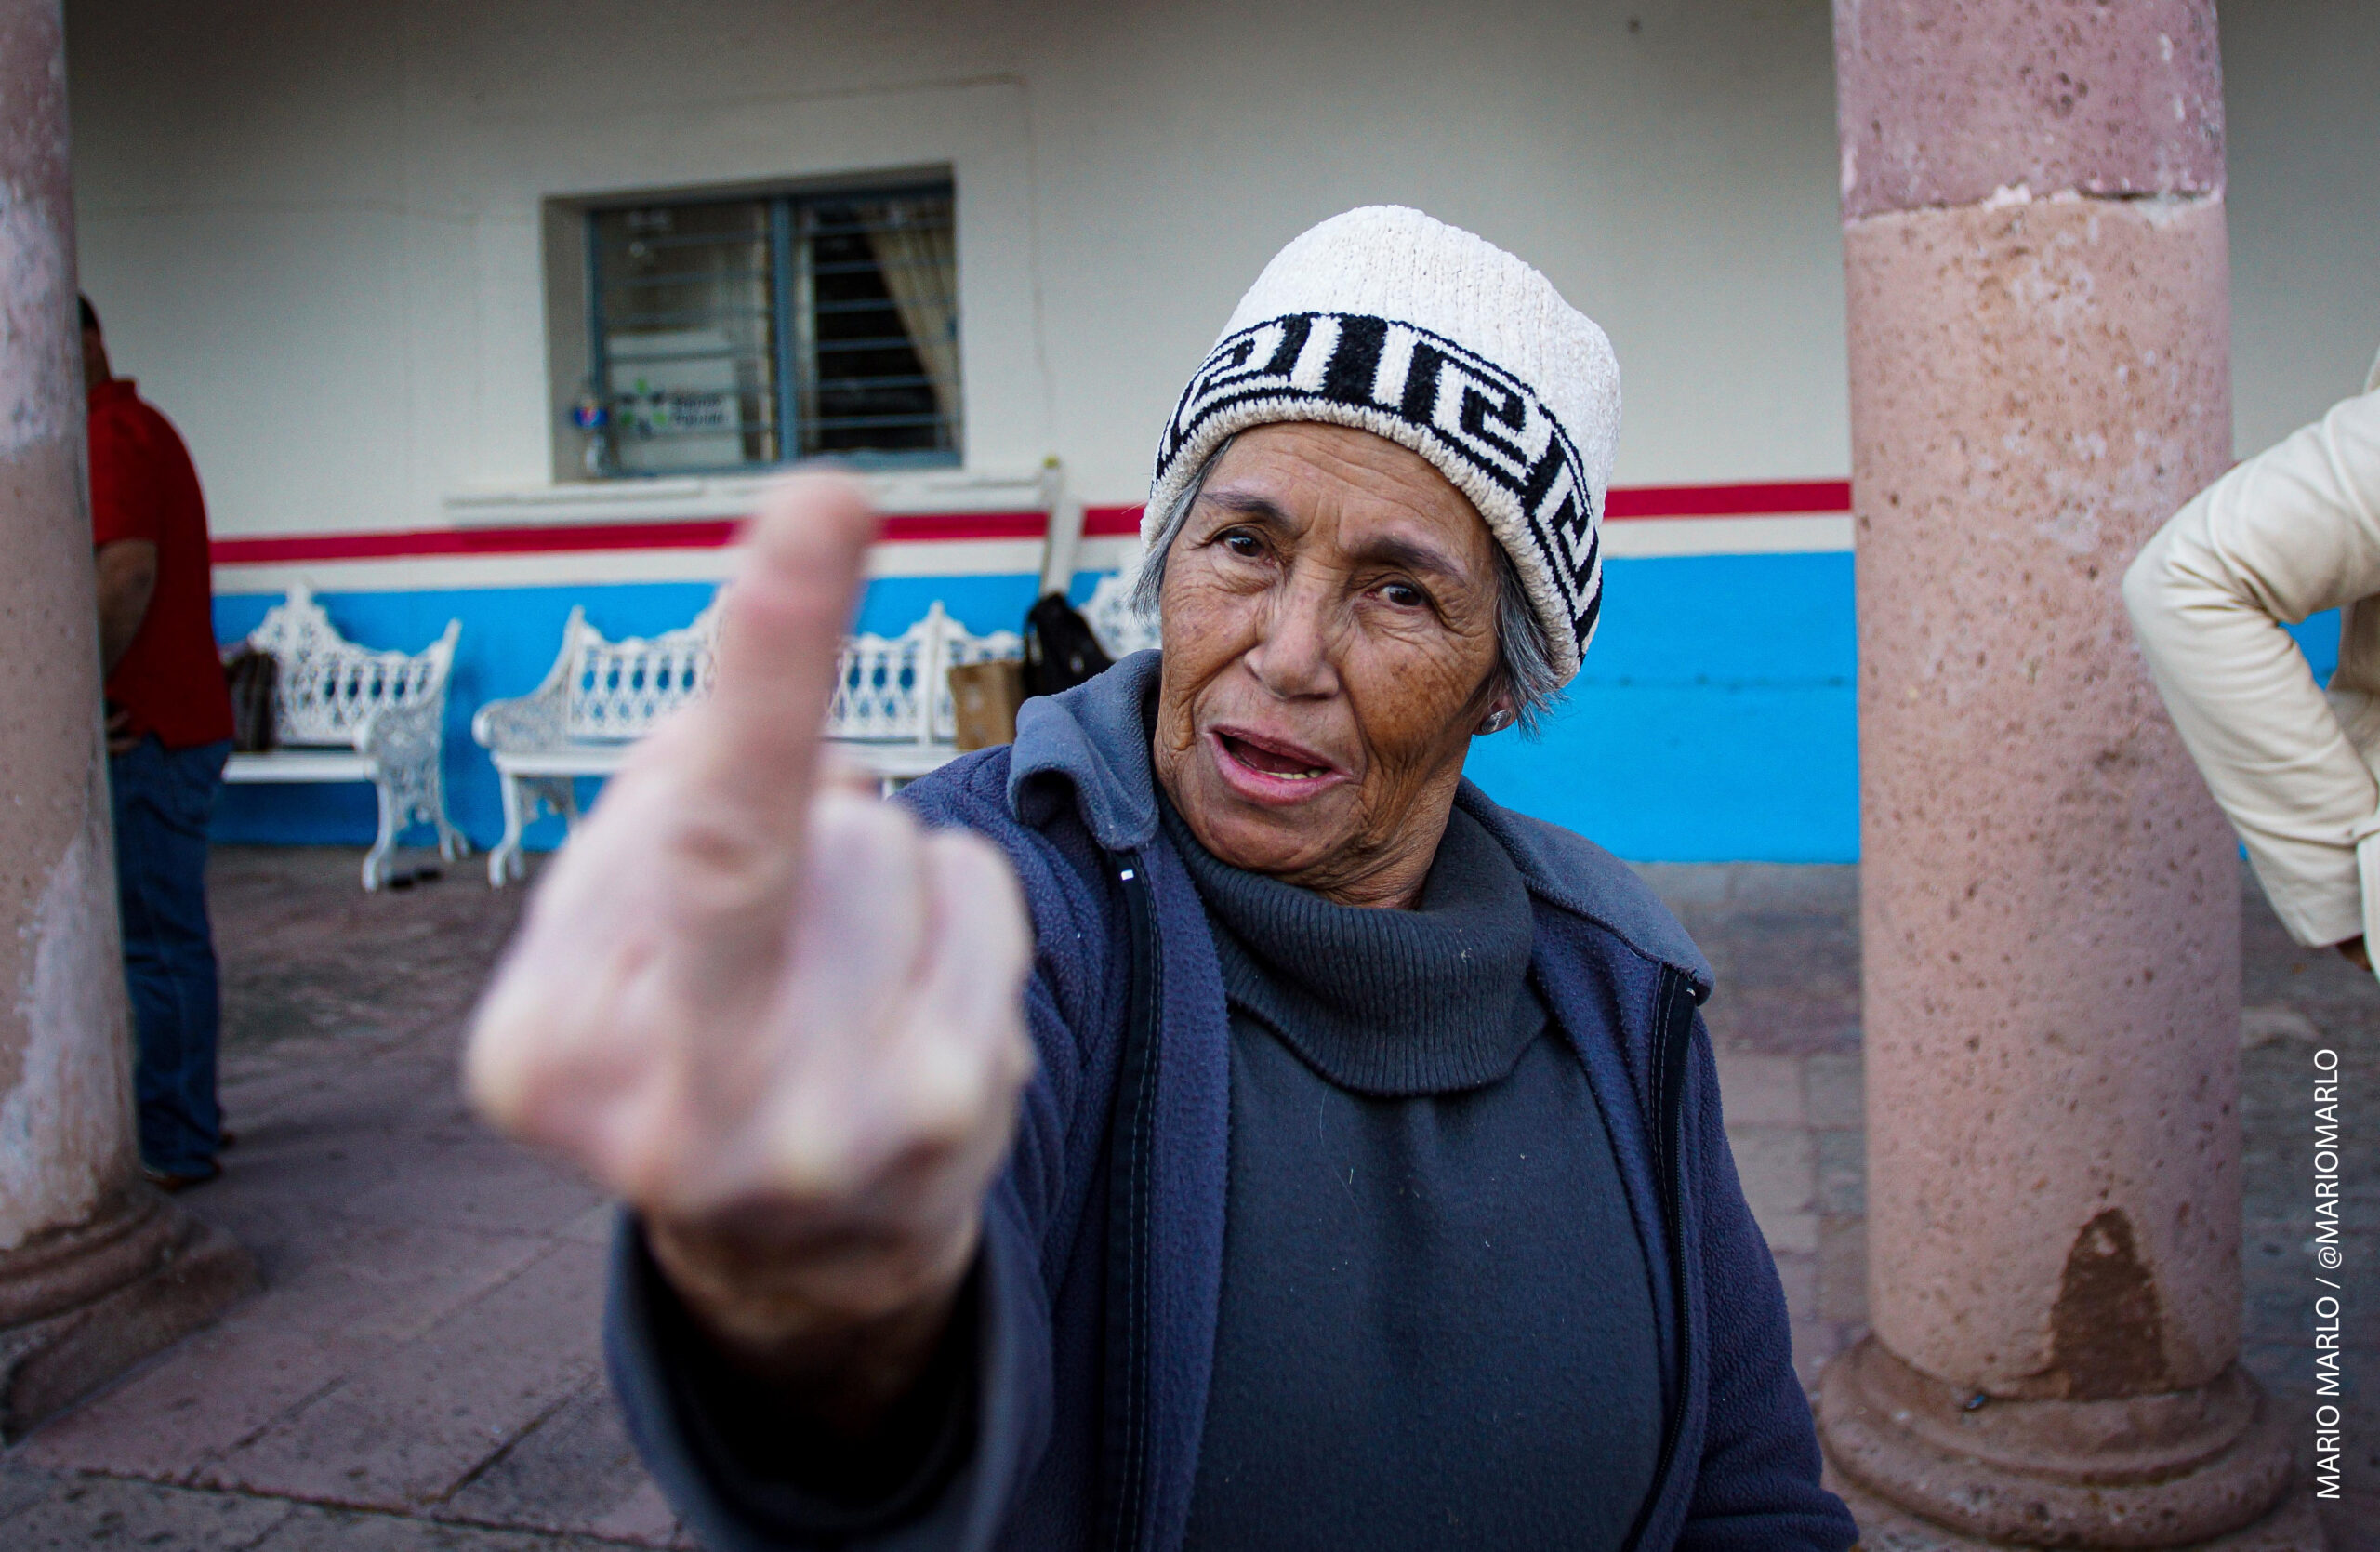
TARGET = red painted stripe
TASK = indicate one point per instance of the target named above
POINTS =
(1107, 522)
(1626, 503)
(681, 533)
(1764, 500)
(700, 534)
(967, 525)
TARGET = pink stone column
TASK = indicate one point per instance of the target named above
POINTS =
(96, 1268)
(2033, 240)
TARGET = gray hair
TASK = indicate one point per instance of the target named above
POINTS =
(1525, 653)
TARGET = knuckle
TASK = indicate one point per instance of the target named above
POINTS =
(504, 1058)
(1016, 1058)
(723, 859)
(980, 900)
(953, 1090)
(866, 851)
(845, 816)
(935, 1120)
(810, 1159)
(968, 857)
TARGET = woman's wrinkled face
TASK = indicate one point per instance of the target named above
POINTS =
(1330, 619)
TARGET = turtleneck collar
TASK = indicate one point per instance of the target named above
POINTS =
(1388, 1003)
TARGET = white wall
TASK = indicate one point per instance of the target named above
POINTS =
(2302, 99)
(313, 225)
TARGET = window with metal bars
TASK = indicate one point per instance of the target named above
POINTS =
(731, 334)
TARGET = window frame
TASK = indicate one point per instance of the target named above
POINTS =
(792, 300)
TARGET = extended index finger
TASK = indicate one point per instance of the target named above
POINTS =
(755, 745)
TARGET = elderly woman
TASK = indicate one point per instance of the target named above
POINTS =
(1207, 1122)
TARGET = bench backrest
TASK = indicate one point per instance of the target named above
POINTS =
(1121, 628)
(618, 691)
(896, 689)
(324, 687)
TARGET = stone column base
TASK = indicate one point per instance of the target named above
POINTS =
(2178, 1469)
(79, 1306)
(2291, 1526)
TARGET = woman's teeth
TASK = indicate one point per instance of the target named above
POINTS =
(1257, 757)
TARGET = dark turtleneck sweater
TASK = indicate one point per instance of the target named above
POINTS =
(1437, 1328)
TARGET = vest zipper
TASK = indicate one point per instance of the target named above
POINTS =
(1131, 1130)
(1673, 1041)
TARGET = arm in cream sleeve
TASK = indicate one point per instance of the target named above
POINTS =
(2293, 531)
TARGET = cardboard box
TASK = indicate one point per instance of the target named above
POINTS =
(986, 697)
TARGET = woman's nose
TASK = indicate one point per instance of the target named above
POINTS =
(1292, 659)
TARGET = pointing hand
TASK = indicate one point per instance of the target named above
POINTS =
(768, 1010)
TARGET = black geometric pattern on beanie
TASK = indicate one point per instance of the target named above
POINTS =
(1484, 415)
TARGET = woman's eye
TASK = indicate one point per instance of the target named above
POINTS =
(1403, 594)
(1243, 545)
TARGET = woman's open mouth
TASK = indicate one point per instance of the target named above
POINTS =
(1270, 769)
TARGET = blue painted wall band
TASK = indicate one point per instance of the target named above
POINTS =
(1716, 720)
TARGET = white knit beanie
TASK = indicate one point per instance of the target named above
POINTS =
(1388, 320)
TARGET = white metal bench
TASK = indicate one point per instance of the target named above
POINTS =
(343, 712)
(601, 697)
(891, 713)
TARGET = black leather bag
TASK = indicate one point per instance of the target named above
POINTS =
(250, 676)
(1060, 651)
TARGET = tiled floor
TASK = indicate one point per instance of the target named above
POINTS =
(422, 1362)
(1784, 945)
(1784, 942)
(421, 1370)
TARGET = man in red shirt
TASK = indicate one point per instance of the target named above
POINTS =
(169, 731)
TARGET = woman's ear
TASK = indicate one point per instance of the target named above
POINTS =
(1500, 717)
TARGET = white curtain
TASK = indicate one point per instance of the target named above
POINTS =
(920, 268)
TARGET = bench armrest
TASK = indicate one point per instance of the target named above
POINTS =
(399, 737)
(523, 722)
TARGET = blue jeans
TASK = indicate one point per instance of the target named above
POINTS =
(163, 801)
